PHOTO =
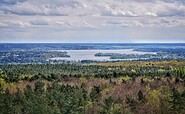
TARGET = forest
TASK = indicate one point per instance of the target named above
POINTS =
(161, 54)
(20, 56)
(127, 87)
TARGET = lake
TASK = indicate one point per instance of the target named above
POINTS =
(78, 55)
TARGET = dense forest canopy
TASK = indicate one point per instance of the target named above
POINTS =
(131, 87)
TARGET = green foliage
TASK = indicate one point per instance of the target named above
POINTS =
(81, 89)
(2, 74)
(110, 107)
(142, 81)
(95, 93)
(180, 72)
(132, 103)
(53, 72)
(39, 87)
(177, 101)
(141, 97)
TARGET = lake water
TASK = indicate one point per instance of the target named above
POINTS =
(78, 55)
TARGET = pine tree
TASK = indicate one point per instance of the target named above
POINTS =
(177, 101)
(95, 93)
(141, 97)
(132, 103)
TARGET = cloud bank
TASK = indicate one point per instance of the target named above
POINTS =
(30, 18)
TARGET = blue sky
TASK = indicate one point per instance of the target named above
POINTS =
(130, 21)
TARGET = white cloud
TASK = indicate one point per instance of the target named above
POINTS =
(151, 14)
(94, 7)
(73, 15)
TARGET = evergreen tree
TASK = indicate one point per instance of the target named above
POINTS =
(95, 93)
(177, 102)
(141, 97)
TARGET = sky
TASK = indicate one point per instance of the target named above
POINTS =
(103, 21)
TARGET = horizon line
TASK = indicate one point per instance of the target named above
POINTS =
(92, 42)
